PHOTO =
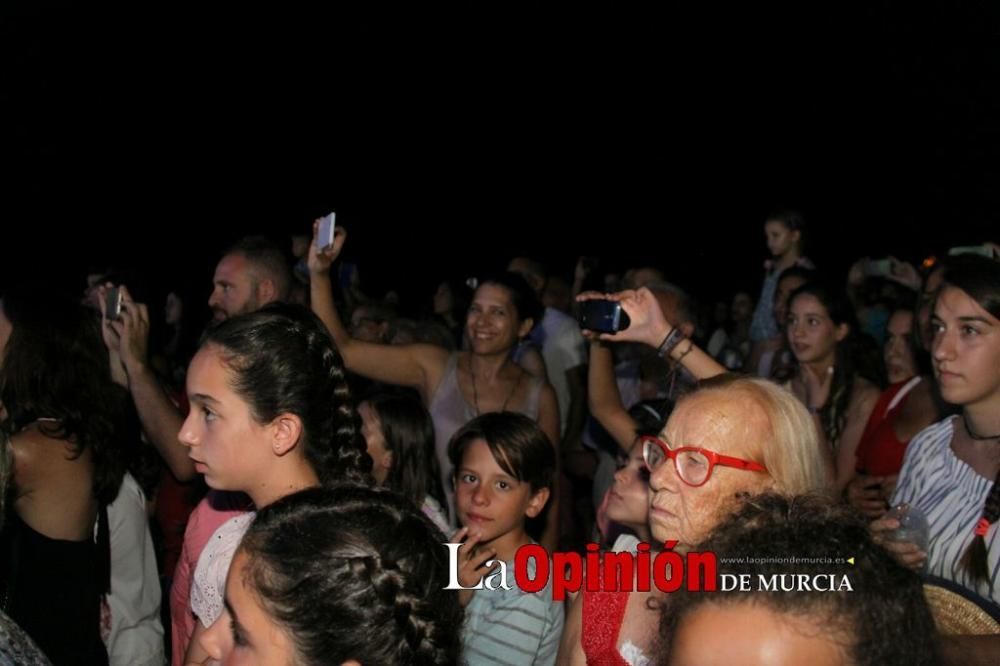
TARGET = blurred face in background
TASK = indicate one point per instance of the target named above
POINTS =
(900, 364)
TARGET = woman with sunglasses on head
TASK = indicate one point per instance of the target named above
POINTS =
(730, 437)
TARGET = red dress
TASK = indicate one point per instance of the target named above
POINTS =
(880, 453)
(603, 613)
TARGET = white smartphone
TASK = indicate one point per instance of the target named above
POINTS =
(326, 226)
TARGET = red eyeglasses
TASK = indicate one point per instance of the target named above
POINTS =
(694, 465)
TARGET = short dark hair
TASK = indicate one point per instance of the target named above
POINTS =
(283, 360)
(526, 301)
(516, 442)
(352, 572)
(885, 618)
(267, 260)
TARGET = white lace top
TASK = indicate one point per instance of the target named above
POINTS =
(208, 587)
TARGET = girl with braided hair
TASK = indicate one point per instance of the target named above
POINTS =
(952, 468)
(271, 414)
(342, 575)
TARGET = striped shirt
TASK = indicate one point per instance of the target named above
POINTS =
(951, 494)
(511, 627)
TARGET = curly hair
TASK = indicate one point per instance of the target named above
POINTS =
(55, 367)
(884, 620)
(283, 361)
(352, 572)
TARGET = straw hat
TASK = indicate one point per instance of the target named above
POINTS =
(955, 614)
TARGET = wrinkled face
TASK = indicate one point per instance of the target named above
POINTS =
(628, 497)
(742, 307)
(899, 362)
(371, 429)
(780, 239)
(227, 445)
(786, 286)
(487, 498)
(812, 335)
(754, 635)
(966, 349)
(721, 421)
(234, 291)
(245, 635)
(493, 324)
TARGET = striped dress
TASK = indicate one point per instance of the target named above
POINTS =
(951, 494)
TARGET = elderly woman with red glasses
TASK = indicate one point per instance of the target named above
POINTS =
(732, 436)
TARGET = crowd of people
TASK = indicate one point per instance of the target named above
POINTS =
(280, 486)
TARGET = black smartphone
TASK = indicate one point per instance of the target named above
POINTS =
(113, 303)
(603, 316)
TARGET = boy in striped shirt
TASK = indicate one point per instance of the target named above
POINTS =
(504, 466)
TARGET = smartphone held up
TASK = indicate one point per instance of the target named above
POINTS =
(603, 316)
(327, 225)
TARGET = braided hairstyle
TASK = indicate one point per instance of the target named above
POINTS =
(979, 278)
(283, 361)
(351, 572)
(885, 619)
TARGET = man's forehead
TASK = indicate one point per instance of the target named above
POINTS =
(231, 266)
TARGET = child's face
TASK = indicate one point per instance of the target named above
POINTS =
(490, 500)
(628, 498)
(245, 635)
(223, 439)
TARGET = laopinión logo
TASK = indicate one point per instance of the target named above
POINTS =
(641, 571)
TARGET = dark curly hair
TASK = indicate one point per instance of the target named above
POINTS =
(358, 573)
(284, 361)
(55, 366)
(885, 619)
(857, 355)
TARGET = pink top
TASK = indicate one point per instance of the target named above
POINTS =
(216, 508)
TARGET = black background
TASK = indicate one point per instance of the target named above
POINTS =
(448, 139)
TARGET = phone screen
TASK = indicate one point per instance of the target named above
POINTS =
(603, 316)
(327, 224)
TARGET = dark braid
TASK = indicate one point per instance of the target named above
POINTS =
(353, 572)
(979, 278)
(974, 560)
(284, 361)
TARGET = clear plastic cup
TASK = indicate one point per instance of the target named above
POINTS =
(912, 528)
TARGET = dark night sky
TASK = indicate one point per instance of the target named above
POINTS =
(155, 133)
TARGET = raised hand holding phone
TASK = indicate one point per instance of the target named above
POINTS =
(321, 256)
